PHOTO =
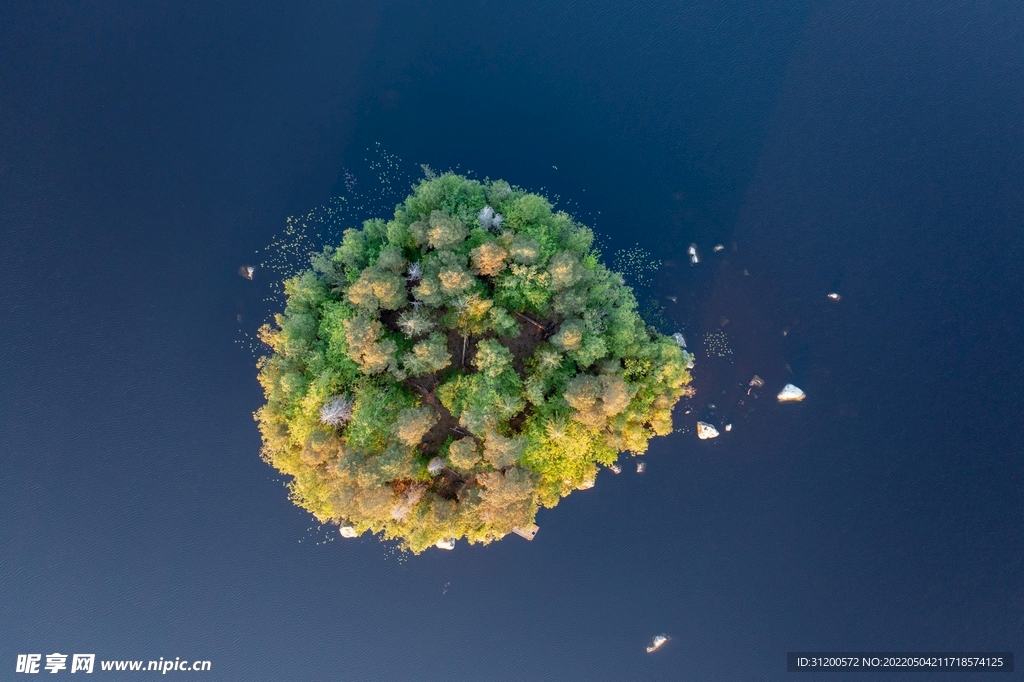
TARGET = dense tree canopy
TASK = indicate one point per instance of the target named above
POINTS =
(443, 374)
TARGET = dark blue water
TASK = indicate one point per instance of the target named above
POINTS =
(872, 148)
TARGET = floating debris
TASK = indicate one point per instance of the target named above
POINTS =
(694, 258)
(348, 532)
(435, 465)
(719, 247)
(527, 533)
(445, 544)
(247, 271)
(791, 394)
(641, 467)
(680, 339)
(656, 643)
(756, 382)
(616, 468)
(706, 431)
(834, 296)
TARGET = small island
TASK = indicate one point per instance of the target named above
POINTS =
(443, 374)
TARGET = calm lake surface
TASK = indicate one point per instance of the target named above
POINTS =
(870, 149)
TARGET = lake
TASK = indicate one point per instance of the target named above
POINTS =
(872, 150)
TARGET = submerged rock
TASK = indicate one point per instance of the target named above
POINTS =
(791, 394)
(706, 431)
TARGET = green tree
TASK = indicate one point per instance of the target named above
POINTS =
(506, 349)
(428, 356)
(413, 423)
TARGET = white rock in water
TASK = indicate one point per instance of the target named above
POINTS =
(640, 467)
(657, 643)
(689, 360)
(706, 431)
(680, 339)
(435, 465)
(694, 258)
(616, 468)
(445, 544)
(791, 394)
(348, 532)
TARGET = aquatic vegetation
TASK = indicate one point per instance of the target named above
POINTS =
(716, 344)
(637, 264)
(445, 373)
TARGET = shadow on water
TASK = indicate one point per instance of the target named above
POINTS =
(737, 330)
